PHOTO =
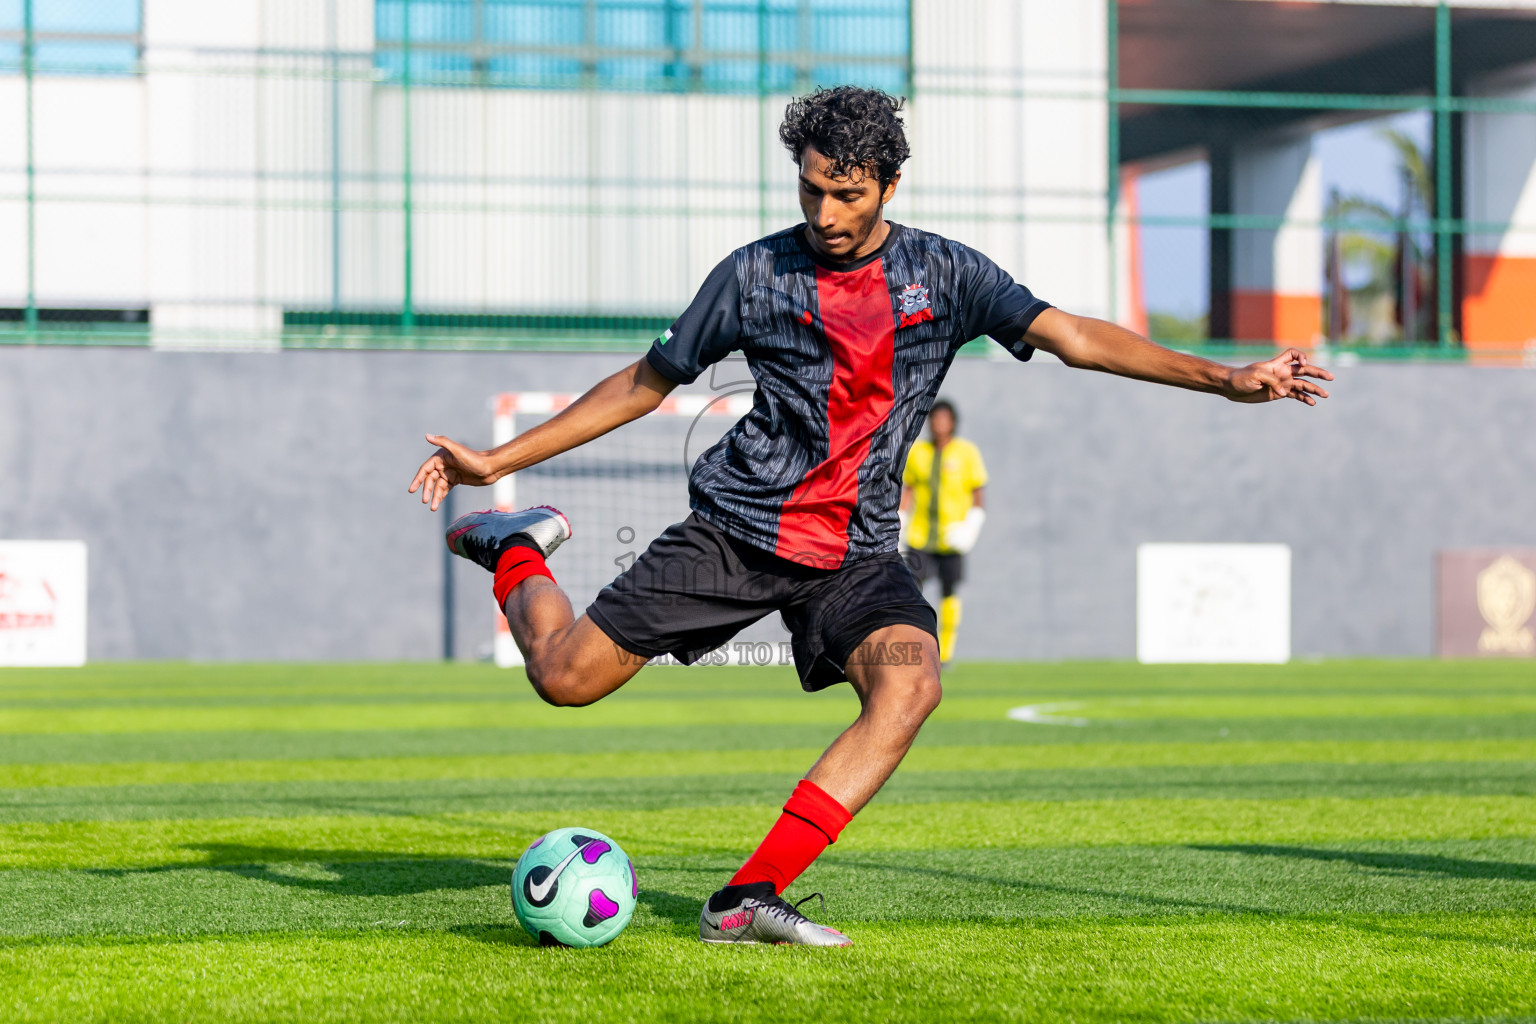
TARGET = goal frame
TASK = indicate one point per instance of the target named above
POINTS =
(509, 405)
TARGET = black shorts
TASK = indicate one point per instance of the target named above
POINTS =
(696, 587)
(949, 568)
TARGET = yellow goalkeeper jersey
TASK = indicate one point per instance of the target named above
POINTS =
(941, 488)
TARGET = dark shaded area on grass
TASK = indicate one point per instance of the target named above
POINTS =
(669, 906)
(354, 872)
(1441, 933)
(497, 935)
(1025, 886)
(435, 796)
(386, 877)
(370, 874)
(309, 890)
(1397, 861)
(1459, 876)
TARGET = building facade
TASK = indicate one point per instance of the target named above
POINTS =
(223, 171)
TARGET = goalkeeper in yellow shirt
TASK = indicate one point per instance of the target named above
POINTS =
(941, 513)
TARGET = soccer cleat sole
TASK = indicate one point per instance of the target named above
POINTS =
(455, 536)
(452, 537)
(754, 942)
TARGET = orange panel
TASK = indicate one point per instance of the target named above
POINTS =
(1498, 310)
(1134, 305)
(1271, 316)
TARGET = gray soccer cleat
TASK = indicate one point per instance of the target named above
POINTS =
(481, 537)
(754, 913)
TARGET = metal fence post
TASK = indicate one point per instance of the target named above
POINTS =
(762, 116)
(27, 46)
(335, 69)
(408, 304)
(1445, 271)
(1112, 185)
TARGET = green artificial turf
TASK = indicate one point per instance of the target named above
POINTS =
(1334, 841)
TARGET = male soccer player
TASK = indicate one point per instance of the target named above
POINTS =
(848, 323)
(942, 515)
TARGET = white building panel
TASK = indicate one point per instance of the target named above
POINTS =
(1500, 165)
(1279, 177)
(198, 25)
(13, 191)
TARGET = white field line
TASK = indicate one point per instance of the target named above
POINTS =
(1043, 714)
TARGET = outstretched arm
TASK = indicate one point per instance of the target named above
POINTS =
(613, 402)
(1099, 345)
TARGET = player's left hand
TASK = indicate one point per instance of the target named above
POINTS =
(452, 464)
(961, 537)
(1284, 376)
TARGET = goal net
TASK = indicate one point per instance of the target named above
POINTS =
(618, 491)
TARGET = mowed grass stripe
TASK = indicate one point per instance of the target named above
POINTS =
(633, 764)
(1232, 968)
(523, 714)
(511, 687)
(464, 796)
(837, 705)
(183, 747)
(1286, 705)
(1488, 876)
(514, 688)
(1083, 677)
(1014, 824)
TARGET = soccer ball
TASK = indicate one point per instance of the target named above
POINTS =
(574, 887)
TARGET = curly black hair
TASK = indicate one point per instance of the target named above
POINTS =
(856, 129)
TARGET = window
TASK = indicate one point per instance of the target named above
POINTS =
(73, 37)
(647, 45)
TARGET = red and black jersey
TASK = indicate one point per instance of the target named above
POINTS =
(848, 359)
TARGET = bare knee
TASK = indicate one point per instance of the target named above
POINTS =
(925, 695)
(557, 685)
(906, 701)
(569, 674)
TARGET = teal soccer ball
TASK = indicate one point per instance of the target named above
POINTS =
(574, 887)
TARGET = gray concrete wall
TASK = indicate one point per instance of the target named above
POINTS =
(253, 506)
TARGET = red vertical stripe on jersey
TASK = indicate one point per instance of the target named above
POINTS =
(861, 331)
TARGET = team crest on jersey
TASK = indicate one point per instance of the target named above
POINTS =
(914, 305)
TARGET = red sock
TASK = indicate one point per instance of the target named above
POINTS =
(516, 565)
(811, 822)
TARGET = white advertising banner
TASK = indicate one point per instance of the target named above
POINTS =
(1213, 603)
(42, 602)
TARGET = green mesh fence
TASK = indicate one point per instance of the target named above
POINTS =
(559, 174)
(1421, 258)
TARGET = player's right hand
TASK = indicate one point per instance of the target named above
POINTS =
(450, 465)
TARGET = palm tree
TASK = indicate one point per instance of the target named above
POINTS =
(1417, 309)
(1395, 293)
(1359, 254)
